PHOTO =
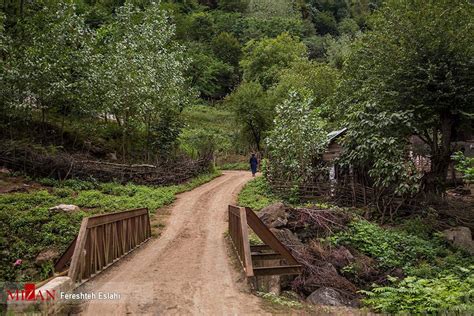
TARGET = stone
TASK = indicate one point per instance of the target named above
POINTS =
(5, 170)
(287, 237)
(67, 208)
(460, 237)
(46, 255)
(112, 156)
(274, 215)
(326, 296)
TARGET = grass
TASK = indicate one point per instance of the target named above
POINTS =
(28, 227)
(235, 166)
(256, 194)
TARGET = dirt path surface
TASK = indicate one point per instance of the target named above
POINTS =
(185, 271)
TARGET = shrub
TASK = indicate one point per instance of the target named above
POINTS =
(390, 248)
(413, 295)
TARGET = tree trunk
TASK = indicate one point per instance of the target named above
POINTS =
(441, 151)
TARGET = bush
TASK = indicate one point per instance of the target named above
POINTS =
(390, 248)
(415, 295)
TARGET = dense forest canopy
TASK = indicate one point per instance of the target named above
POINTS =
(387, 70)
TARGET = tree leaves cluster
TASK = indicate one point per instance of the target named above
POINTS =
(411, 75)
(129, 67)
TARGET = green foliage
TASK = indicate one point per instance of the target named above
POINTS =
(413, 295)
(209, 75)
(465, 165)
(233, 5)
(263, 60)
(256, 194)
(235, 166)
(320, 80)
(49, 60)
(252, 111)
(348, 26)
(298, 136)
(204, 123)
(325, 23)
(280, 300)
(148, 87)
(227, 48)
(409, 75)
(256, 28)
(391, 248)
(268, 8)
(27, 226)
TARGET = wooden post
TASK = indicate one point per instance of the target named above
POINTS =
(78, 250)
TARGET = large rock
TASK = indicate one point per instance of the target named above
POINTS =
(327, 296)
(274, 215)
(68, 208)
(461, 238)
(287, 238)
(46, 255)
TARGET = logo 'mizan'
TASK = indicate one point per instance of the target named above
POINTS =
(29, 293)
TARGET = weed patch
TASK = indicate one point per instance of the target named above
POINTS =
(27, 226)
(256, 194)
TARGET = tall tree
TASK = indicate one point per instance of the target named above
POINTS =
(252, 111)
(263, 60)
(410, 75)
(138, 73)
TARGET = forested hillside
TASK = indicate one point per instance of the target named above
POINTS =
(127, 71)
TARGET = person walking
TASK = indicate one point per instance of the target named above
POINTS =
(253, 164)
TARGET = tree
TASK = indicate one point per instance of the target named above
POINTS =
(50, 57)
(138, 74)
(233, 5)
(410, 75)
(252, 111)
(348, 26)
(319, 80)
(263, 60)
(297, 138)
(209, 75)
(325, 23)
(227, 48)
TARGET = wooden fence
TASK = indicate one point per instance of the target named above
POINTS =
(62, 166)
(240, 219)
(347, 194)
(102, 240)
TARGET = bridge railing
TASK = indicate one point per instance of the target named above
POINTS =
(102, 240)
(240, 218)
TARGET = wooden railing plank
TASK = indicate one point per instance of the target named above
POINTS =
(76, 259)
(267, 236)
(245, 243)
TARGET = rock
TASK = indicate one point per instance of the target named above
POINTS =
(288, 238)
(327, 296)
(460, 237)
(46, 255)
(68, 208)
(5, 170)
(340, 257)
(274, 215)
(112, 156)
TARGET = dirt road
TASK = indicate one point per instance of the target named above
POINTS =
(185, 271)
